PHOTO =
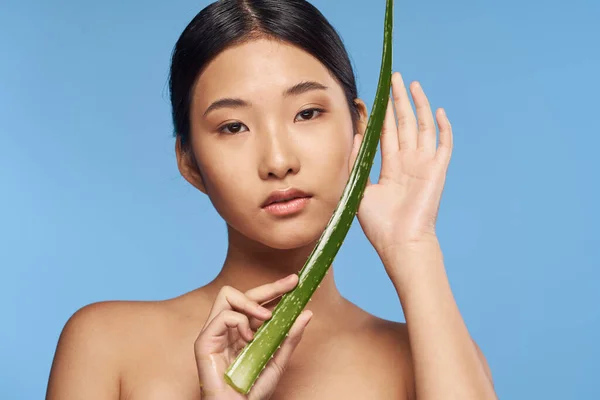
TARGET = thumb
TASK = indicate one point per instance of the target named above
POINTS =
(268, 379)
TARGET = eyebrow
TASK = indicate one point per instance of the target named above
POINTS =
(297, 89)
(303, 87)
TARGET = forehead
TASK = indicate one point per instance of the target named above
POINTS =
(260, 66)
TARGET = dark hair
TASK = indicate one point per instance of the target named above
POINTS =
(226, 23)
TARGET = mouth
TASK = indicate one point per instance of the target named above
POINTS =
(286, 202)
(284, 196)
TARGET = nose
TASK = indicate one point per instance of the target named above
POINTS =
(278, 158)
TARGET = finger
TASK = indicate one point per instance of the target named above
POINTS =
(268, 296)
(389, 140)
(267, 293)
(444, 151)
(389, 133)
(407, 123)
(230, 298)
(215, 339)
(220, 326)
(427, 132)
(274, 370)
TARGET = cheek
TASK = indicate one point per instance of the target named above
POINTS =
(331, 156)
(225, 182)
(328, 170)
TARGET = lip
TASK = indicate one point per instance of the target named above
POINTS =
(284, 202)
(284, 195)
(287, 208)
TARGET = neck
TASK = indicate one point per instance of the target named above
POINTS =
(250, 264)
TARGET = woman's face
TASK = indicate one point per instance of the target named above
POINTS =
(266, 138)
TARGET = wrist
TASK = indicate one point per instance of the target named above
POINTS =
(424, 245)
(414, 260)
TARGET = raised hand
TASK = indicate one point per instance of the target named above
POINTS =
(401, 208)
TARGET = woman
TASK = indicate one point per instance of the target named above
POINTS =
(268, 123)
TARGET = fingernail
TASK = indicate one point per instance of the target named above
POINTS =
(264, 310)
(308, 322)
(287, 278)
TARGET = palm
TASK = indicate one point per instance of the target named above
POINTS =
(403, 206)
(224, 350)
(232, 345)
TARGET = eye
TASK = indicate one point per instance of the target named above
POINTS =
(309, 113)
(234, 128)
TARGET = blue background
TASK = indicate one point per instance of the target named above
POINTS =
(92, 206)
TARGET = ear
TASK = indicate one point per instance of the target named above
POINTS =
(188, 167)
(363, 114)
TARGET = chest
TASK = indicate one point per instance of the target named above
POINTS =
(327, 385)
(347, 376)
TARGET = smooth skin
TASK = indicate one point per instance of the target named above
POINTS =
(179, 348)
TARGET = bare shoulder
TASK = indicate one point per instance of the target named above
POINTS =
(393, 331)
(101, 341)
(111, 324)
(87, 358)
(391, 338)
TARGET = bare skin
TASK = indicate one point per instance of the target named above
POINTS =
(238, 156)
(149, 350)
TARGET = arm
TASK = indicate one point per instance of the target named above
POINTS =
(447, 362)
(85, 363)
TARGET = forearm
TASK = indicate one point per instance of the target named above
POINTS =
(446, 361)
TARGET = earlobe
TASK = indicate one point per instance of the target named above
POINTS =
(188, 167)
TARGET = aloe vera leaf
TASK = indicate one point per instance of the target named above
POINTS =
(253, 358)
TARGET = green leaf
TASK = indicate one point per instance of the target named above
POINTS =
(253, 358)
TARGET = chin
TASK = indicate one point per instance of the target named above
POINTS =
(288, 234)
(282, 243)
(291, 237)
